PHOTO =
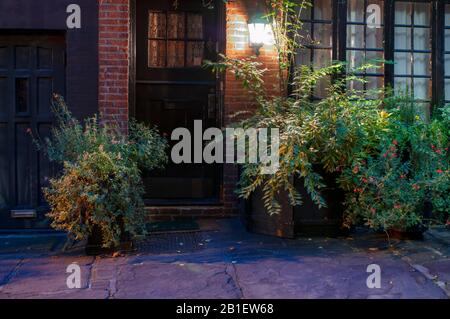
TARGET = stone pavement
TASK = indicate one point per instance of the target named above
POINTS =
(224, 261)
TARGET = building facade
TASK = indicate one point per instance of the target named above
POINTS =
(142, 59)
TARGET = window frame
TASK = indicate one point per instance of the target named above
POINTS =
(437, 42)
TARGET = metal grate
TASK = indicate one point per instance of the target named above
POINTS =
(172, 243)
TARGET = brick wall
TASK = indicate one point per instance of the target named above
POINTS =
(114, 34)
(236, 97)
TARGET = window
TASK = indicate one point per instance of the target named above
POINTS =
(447, 54)
(364, 43)
(175, 39)
(317, 37)
(412, 48)
(414, 34)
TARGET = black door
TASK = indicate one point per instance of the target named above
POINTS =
(31, 69)
(173, 90)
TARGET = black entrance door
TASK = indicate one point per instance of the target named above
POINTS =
(173, 90)
(31, 69)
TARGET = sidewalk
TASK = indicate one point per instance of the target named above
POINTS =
(224, 261)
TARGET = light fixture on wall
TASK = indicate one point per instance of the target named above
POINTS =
(259, 31)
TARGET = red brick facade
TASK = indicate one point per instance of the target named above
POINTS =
(114, 44)
(114, 34)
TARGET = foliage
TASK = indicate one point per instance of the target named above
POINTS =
(389, 189)
(388, 158)
(316, 137)
(100, 184)
(284, 17)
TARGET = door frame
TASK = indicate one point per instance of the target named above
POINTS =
(220, 89)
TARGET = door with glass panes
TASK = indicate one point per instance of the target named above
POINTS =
(173, 89)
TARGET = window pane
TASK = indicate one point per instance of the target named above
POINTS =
(422, 39)
(355, 85)
(375, 58)
(447, 64)
(175, 54)
(195, 26)
(402, 38)
(305, 34)
(303, 57)
(355, 36)
(422, 14)
(447, 40)
(156, 54)
(422, 89)
(447, 15)
(305, 13)
(356, 11)
(402, 63)
(323, 34)
(157, 25)
(194, 53)
(374, 38)
(422, 64)
(320, 90)
(374, 82)
(175, 25)
(323, 10)
(355, 59)
(402, 85)
(447, 89)
(322, 58)
(403, 12)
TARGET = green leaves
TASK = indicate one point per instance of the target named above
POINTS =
(409, 168)
(100, 184)
(317, 138)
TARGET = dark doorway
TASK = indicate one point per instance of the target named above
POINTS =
(172, 89)
(32, 67)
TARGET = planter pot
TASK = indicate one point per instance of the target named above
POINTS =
(304, 220)
(412, 234)
(94, 243)
(309, 220)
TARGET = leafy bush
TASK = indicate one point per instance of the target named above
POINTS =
(100, 185)
(390, 189)
(316, 137)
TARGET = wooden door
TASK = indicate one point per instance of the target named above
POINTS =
(31, 69)
(173, 90)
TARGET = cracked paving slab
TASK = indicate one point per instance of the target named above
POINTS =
(234, 264)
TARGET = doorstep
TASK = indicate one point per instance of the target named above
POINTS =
(164, 213)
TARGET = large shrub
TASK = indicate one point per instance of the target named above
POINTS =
(392, 188)
(100, 185)
(317, 137)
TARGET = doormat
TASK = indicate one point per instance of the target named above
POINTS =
(173, 226)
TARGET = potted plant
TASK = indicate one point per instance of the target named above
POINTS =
(318, 140)
(406, 183)
(98, 194)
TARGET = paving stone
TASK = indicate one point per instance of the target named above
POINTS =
(231, 263)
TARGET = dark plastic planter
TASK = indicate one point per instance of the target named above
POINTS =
(94, 243)
(304, 220)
